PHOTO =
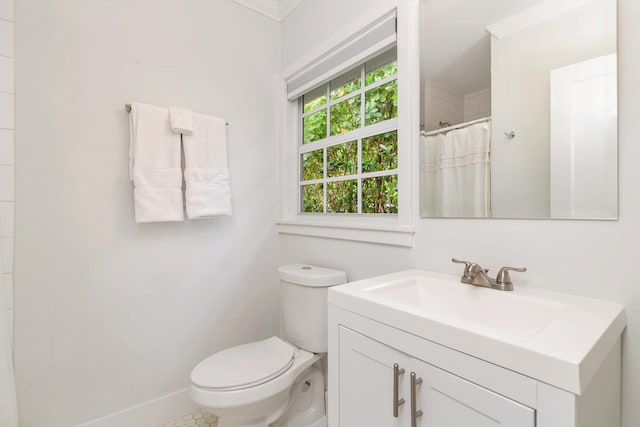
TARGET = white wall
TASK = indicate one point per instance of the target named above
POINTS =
(112, 313)
(440, 104)
(590, 258)
(7, 194)
(477, 105)
(520, 67)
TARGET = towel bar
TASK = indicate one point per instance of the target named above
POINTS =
(128, 108)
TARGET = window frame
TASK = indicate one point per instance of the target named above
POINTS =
(390, 229)
(364, 131)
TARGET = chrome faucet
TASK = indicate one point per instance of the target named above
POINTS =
(475, 275)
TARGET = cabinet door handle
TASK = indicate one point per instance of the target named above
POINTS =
(415, 413)
(397, 403)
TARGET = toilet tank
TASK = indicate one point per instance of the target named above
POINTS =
(304, 304)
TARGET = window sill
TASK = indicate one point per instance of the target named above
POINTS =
(395, 235)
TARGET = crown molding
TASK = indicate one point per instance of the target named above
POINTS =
(274, 9)
(287, 6)
(534, 15)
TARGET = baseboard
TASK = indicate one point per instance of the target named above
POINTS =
(148, 414)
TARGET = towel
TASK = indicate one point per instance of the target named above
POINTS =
(206, 173)
(155, 165)
(181, 120)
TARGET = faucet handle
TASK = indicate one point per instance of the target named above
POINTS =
(468, 274)
(503, 275)
(467, 264)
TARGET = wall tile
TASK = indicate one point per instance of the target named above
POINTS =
(6, 111)
(6, 74)
(6, 183)
(7, 147)
(6, 219)
(6, 38)
(6, 9)
(6, 253)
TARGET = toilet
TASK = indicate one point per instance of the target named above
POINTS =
(274, 382)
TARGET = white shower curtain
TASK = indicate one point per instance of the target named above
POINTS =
(455, 173)
(8, 400)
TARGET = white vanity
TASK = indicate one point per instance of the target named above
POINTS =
(418, 348)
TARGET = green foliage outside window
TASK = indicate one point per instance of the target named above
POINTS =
(379, 152)
(312, 165)
(342, 196)
(342, 159)
(313, 198)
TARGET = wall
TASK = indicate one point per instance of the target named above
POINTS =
(477, 105)
(520, 67)
(440, 104)
(111, 313)
(591, 258)
(6, 155)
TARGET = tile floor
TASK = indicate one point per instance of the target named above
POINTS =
(197, 419)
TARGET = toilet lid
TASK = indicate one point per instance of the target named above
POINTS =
(244, 366)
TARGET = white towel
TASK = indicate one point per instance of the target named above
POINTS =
(206, 173)
(155, 165)
(181, 120)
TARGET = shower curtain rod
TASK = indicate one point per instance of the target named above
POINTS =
(128, 108)
(458, 126)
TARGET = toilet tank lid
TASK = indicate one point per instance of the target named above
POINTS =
(311, 275)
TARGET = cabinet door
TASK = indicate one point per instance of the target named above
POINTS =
(366, 382)
(450, 401)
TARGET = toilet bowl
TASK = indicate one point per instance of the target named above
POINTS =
(274, 382)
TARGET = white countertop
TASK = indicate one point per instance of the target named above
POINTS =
(555, 338)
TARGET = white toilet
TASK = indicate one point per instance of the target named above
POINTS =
(275, 382)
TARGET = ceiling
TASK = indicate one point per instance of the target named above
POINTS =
(454, 42)
(274, 9)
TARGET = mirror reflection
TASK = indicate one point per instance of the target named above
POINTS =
(519, 109)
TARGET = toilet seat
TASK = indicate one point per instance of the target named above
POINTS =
(244, 366)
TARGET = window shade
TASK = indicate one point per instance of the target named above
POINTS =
(376, 38)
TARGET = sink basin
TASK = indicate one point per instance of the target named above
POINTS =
(556, 338)
(499, 311)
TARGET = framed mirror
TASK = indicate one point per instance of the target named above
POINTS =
(519, 109)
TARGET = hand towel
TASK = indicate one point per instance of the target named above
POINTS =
(206, 174)
(181, 120)
(155, 165)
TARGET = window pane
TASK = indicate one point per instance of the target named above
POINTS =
(314, 99)
(380, 195)
(345, 115)
(382, 67)
(345, 84)
(313, 198)
(342, 159)
(312, 165)
(380, 152)
(381, 103)
(342, 196)
(315, 126)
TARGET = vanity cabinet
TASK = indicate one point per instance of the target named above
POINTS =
(433, 397)
(452, 389)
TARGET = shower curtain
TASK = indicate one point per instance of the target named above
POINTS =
(455, 173)
(8, 400)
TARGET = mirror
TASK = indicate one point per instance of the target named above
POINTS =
(518, 109)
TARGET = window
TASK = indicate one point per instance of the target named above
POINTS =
(345, 166)
(348, 143)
